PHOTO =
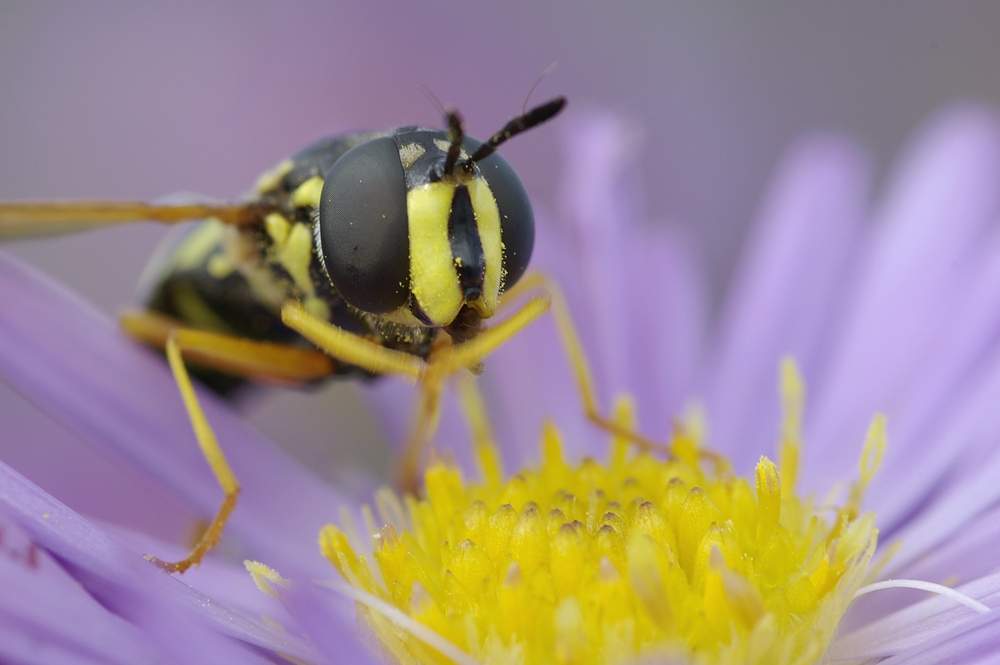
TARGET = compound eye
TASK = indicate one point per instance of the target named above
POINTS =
(517, 221)
(363, 227)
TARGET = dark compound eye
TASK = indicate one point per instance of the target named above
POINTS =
(363, 227)
(517, 221)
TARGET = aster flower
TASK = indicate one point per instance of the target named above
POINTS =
(887, 309)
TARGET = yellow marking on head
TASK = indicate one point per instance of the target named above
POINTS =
(488, 224)
(308, 193)
(296, 256)
(410, 153)
(277, 227)
(433, 279)
(271, 178)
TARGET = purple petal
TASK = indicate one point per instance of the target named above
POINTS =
(967, 553)
(121, 581)
(228, 584)
(529, 379)
(918, 627)
(970, 552)
(932, 220)
(46, 617)
(975, 641)
(667, 312)
(74, 363)
(785, 295)
(951, 508)
(633, 295)
(329, 621)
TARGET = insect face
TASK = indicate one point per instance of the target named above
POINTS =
(427, 222)
(396, 232)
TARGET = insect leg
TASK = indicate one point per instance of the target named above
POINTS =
(213, 454)
(248, 359)
(442, 364)
(348, 347)
(474, 409)
(576, 356)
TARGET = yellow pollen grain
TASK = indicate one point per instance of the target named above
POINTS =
(634, 559)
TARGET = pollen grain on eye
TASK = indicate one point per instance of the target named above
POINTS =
(608, 562)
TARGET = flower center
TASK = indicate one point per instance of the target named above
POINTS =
(609, 562)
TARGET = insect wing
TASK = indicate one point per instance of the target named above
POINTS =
(22, 219)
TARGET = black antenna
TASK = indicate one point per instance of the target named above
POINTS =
(527, 97)
(455, 136)
(522, 123)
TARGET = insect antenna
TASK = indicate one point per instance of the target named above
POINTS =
(531, 90)
(521, 123)
(455, 135)
(432, 98)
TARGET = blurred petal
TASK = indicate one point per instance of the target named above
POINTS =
(124, 583)
(667, 312)
(923, 627)
(46, 617)
(329, 621)
(936, 211)
(74, 363)
(633, 292)
(785, 296)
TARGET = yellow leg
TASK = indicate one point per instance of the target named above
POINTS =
(431, 374)
(348, 347)
(248, 359)
(577, 357)
(213, 454)
(446, 361)
(474, 409)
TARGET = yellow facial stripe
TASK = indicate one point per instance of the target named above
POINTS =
(433, 280)
(488, 223)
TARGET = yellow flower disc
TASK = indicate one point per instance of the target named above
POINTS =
(635, 558)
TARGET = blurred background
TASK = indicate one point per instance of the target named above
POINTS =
(134, 101)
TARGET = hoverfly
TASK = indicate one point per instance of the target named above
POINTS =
(366, 253)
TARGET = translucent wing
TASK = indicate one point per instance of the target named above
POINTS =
(21, 219)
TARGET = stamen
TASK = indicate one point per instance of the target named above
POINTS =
(402, 620)
(939, 589)
(267, 579)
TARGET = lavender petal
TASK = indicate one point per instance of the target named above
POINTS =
(74, 363)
